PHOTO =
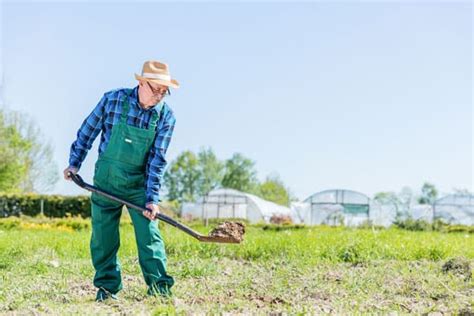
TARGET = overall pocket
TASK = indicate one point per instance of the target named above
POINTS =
(132, 150)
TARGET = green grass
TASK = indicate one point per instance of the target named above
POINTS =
(45, 268)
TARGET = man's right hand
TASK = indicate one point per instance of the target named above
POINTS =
(66, 172)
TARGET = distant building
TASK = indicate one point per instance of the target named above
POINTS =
(455, 209)
(334, 207)
(230, 203)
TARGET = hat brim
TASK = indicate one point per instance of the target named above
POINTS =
(172, 83)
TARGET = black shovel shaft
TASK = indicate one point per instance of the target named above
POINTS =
(80, 182)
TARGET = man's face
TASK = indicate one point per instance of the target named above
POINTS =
(151, 93)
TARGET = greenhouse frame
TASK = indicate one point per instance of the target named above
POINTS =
(230, 203)
(455, 209)
(336, 207)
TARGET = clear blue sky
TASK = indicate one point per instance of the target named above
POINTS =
(364, 96)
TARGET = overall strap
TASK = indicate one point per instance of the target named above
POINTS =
(155, 117)
(125, 108)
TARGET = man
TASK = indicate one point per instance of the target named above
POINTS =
(137, 126)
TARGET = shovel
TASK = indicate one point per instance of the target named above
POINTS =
(217, 239)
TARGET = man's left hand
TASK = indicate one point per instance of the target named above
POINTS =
(153, 211)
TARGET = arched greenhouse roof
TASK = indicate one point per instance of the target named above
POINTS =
(456, 200)
(338, 196)
(231, 196)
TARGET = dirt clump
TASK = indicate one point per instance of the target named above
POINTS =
(458, 266)
(231, 230)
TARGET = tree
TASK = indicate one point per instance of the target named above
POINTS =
(210, 169)
(429, 194)
(240, 174)
(26, 160)
(42, 172)
(13, 157)
(182, 178)
(191, 176)
(386, 198)
(390, 198)
(273, 189)
(405, 197)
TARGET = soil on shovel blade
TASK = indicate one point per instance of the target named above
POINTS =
(230, 230)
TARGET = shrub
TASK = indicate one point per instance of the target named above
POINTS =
(273, 227)
(53, 205)
(438, 225)
(56, 205)
(414, 225)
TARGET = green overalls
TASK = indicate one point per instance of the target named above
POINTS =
(120, 170)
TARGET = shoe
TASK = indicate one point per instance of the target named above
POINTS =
(103, 294)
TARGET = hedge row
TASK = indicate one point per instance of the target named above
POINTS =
(53, 205)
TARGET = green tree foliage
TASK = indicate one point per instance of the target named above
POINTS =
(240, 174)
(42, 169)
(386, 198)
(26, 160)
(211, 171)
(182, 178)
(429, 194)
(13, 157)
(273, 189)
(191, 176)
(390, 198)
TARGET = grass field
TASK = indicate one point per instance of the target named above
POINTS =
(45, 268)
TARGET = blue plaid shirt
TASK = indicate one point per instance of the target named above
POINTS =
(106, 114)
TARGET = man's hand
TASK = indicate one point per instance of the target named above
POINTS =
(153, 211)
(66, 172)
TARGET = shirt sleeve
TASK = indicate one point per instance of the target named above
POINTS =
(156, 161)
(86, 134)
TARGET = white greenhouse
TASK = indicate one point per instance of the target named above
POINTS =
(387, 214)
(334, 207)
(230, 203)
(455, 209)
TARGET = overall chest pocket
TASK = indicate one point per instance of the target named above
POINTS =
(132, 150)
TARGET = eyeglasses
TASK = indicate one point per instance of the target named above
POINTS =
(162, 92)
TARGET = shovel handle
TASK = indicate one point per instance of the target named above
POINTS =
(77, 179)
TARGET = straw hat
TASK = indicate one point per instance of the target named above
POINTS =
(157, 72)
